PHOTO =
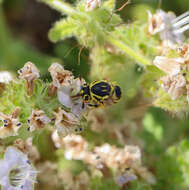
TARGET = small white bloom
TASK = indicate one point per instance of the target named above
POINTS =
(164, 24)
(5, 77)
(92, 4)
(67, 95)
(156, 22)
(171, 66)
(174, 85)
(11, 124)
(16, 172)
(60, 76)
(38, 120)
(66, 123)
(29, 72)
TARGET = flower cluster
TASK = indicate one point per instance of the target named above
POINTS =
(30, 73)
(67, 88)
(127, 160)
(175, 82)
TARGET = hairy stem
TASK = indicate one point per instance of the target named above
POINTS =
(130, 52)
(62, 7)
(65, 8)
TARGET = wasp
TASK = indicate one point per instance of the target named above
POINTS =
(100, 93)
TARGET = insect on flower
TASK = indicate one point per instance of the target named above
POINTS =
(100, 93)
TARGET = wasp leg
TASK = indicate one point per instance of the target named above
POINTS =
(76, 96)
(93, 105)
(83, 105)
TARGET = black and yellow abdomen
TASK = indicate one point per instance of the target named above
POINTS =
(100, 90)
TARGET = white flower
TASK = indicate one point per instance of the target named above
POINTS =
(183, 50)
(67, 95)
(30, 73)
(92, 4)
(60, 76)
(16, 172)
(174, 85)
(171, 66)
(67, 88)
(38, 120)
(11, 124)
(166, 25)
(5, 77)
(66, 123)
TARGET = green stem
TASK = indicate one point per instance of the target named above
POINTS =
(133, 54)
(60, 6)
(63, 7)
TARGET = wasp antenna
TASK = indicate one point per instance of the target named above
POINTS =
(83, 105)
(77, 95)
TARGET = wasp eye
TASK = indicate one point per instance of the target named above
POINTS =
(118, 92)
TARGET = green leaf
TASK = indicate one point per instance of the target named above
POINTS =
(62, 29)
(152, 127)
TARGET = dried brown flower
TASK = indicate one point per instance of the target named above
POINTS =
(171, 66)
(37, 120)
(66, 123)
(106, 156)
(184, 52)
(11, 124)
(174, 85)
(67, 96)
(30, 73)
(28, 148)
(60, 76)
